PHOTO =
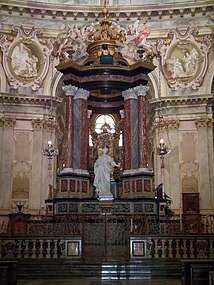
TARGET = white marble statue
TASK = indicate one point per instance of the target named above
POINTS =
(102, 169)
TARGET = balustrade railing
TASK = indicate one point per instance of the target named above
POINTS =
(154, 247)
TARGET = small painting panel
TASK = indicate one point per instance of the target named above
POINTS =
(73, 248)
(72, 185)
(139, 185)
(78, 186)
(84, 186)
(64, 185)
(127, 186)
(147, 185)
(138, 248)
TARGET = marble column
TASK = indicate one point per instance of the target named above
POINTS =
(81, 130)
(130, 129)
(69, 92)
(142, 140)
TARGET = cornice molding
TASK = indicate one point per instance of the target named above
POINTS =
(37, 101)
(203, 99)
(148, 11)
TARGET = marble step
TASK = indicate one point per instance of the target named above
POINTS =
(64, 268)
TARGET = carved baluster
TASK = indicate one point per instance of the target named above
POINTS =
(48, 255)
(170, 249)
(41, 249)
(156, 248)
(184, 249)
(163, 250)
(177, 255)
(55, 255)
(211, 249)
(27, 253)
(34, 249)
(191, 248)
(19, 255)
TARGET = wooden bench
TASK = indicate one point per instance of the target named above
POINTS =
(8, 272)
(187, 268)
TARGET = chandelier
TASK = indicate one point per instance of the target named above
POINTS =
(50, 152)
(162, 150)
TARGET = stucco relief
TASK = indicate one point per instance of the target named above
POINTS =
(25, 57)
(184, 57)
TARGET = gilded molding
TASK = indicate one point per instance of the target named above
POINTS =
(38, 101)
(192, 100)
(7, 123)
(48, 124)
(204, 122)
(163, 124)
(87, 12)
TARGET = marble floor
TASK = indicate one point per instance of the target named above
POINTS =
(99, 282)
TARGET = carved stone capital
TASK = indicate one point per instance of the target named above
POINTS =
(141, 90)
(7, 123)
(81, 94)
(48, 124)
(163, 124)
(129, 94)
(70, 90)
(204, 122)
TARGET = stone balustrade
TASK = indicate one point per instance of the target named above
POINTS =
(160, 247)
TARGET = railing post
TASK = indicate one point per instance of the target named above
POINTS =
(34, 248)
(184, 248)
(48, 255)
(191, 249)
(177, 254)
(41, 249)
(55, 255)
(170, 249)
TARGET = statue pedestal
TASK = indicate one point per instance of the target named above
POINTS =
(105, 206)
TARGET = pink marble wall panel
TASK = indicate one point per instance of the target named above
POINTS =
(143, 157)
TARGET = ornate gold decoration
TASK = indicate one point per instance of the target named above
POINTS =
(106, 34)
(48, 124)
(163, 124)
(204, 122)
(7, 123)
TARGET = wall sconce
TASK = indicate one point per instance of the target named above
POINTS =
(162, 150)
(50, 152)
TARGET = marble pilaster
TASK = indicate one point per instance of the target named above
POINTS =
(205, 159)
(128, 95)
(70, 91)
(6, 154)
(141, 90)
(80, 150)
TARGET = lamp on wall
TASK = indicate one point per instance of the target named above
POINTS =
(50, 152)
(162, 150)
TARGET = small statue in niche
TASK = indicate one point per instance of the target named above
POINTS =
(102, 169)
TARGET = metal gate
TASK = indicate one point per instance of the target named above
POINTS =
(106, 238)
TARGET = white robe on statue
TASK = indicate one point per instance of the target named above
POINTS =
(102, 170)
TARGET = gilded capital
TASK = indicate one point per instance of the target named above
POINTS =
(204, 122)
(7, 123)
